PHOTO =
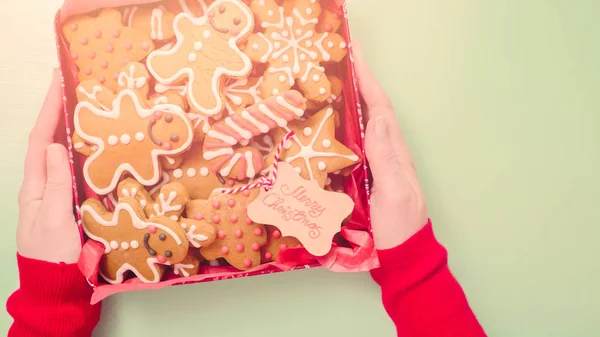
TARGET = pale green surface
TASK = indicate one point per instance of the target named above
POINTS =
(499, 101)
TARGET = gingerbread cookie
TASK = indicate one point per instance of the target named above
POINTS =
(206, 54)
(194, 173)
(131, 241)
(293, 49)
(241, 127)
(100, 46)
(154, 20)
(241, 93)
(196, 8)
(313, 150)
(238, 238)
(277, 243)
(170, 202)
(130, 138)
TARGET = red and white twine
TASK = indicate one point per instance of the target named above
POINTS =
(264, 181)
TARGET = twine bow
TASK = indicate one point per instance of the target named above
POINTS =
(264, 181)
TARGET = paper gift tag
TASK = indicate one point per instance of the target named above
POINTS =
(302, 209)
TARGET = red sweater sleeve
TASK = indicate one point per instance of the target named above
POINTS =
(419, 292)
(53, 300)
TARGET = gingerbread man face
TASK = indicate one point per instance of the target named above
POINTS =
(131, 241)
(130, 139)
(206, 54)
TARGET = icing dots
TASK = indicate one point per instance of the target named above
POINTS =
(326, 143)
(113, 140)
(322, 166)
(139, 136)
(125, 139)
(178, 173)
(307, 131)
(191, 172)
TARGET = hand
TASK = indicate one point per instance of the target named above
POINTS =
(398, 209)
(47, 230)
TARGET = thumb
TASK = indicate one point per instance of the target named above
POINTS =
(58, 193)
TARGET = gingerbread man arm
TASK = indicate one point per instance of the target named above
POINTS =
(91, 123)
(170, 66)
(198, 232)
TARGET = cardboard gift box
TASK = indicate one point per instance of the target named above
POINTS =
(352, 249)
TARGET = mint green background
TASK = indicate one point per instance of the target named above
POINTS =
(499, 101)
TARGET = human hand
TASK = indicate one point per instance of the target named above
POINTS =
(47, 230)
(398, 209)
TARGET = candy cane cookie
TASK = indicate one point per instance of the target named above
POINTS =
(242, 126)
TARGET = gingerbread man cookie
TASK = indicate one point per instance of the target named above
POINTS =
(130, 138)
(100, 46)
(313, 150)
(292, 48)
(241, 127)
(238, 238)
(154, 20)
(206, 54)
(131, 241)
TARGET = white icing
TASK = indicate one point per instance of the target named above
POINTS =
(267, 54)
(93, 95)
(129, 81)
(302, 57)
(322, 91)
(309, 11)
(328, 181)
(192, 57)
(250, 170)
(255, 46)
(156, 24)
(316, 78)
(139, 136)
(134, 244)
(276, 45)
(114, 245)
(342, 44)
(113, 140)
(322, 166)
(204, 171)
(206, 34)
(161, 88)
(198, 46)
(143, 202)
(170, 160)
(219, 72)
(307, 131)
(326, 143)
(319, 44)
(298, 170)
(275, 91)
(279, 24)
(164, 206)
(330, 44)
(264, 128)
(209, 155)
(178, 173)
(222, 137)
(195, 239)
(124, 245)
(198, 119)
(281, 122)
(307, 152)
(125, 139)
(282, 78)
(243, 132)
(310, 66)
(287, 145)
(191, 172)
(79, 145)
(237, 88)
(226, 170)
(270, 12)
(281, 101)
(181, 269)
(137, 223)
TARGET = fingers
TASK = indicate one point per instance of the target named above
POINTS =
(378, 103)
(380, 106)
(58, 193)
(40, 137)
(383, 157)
